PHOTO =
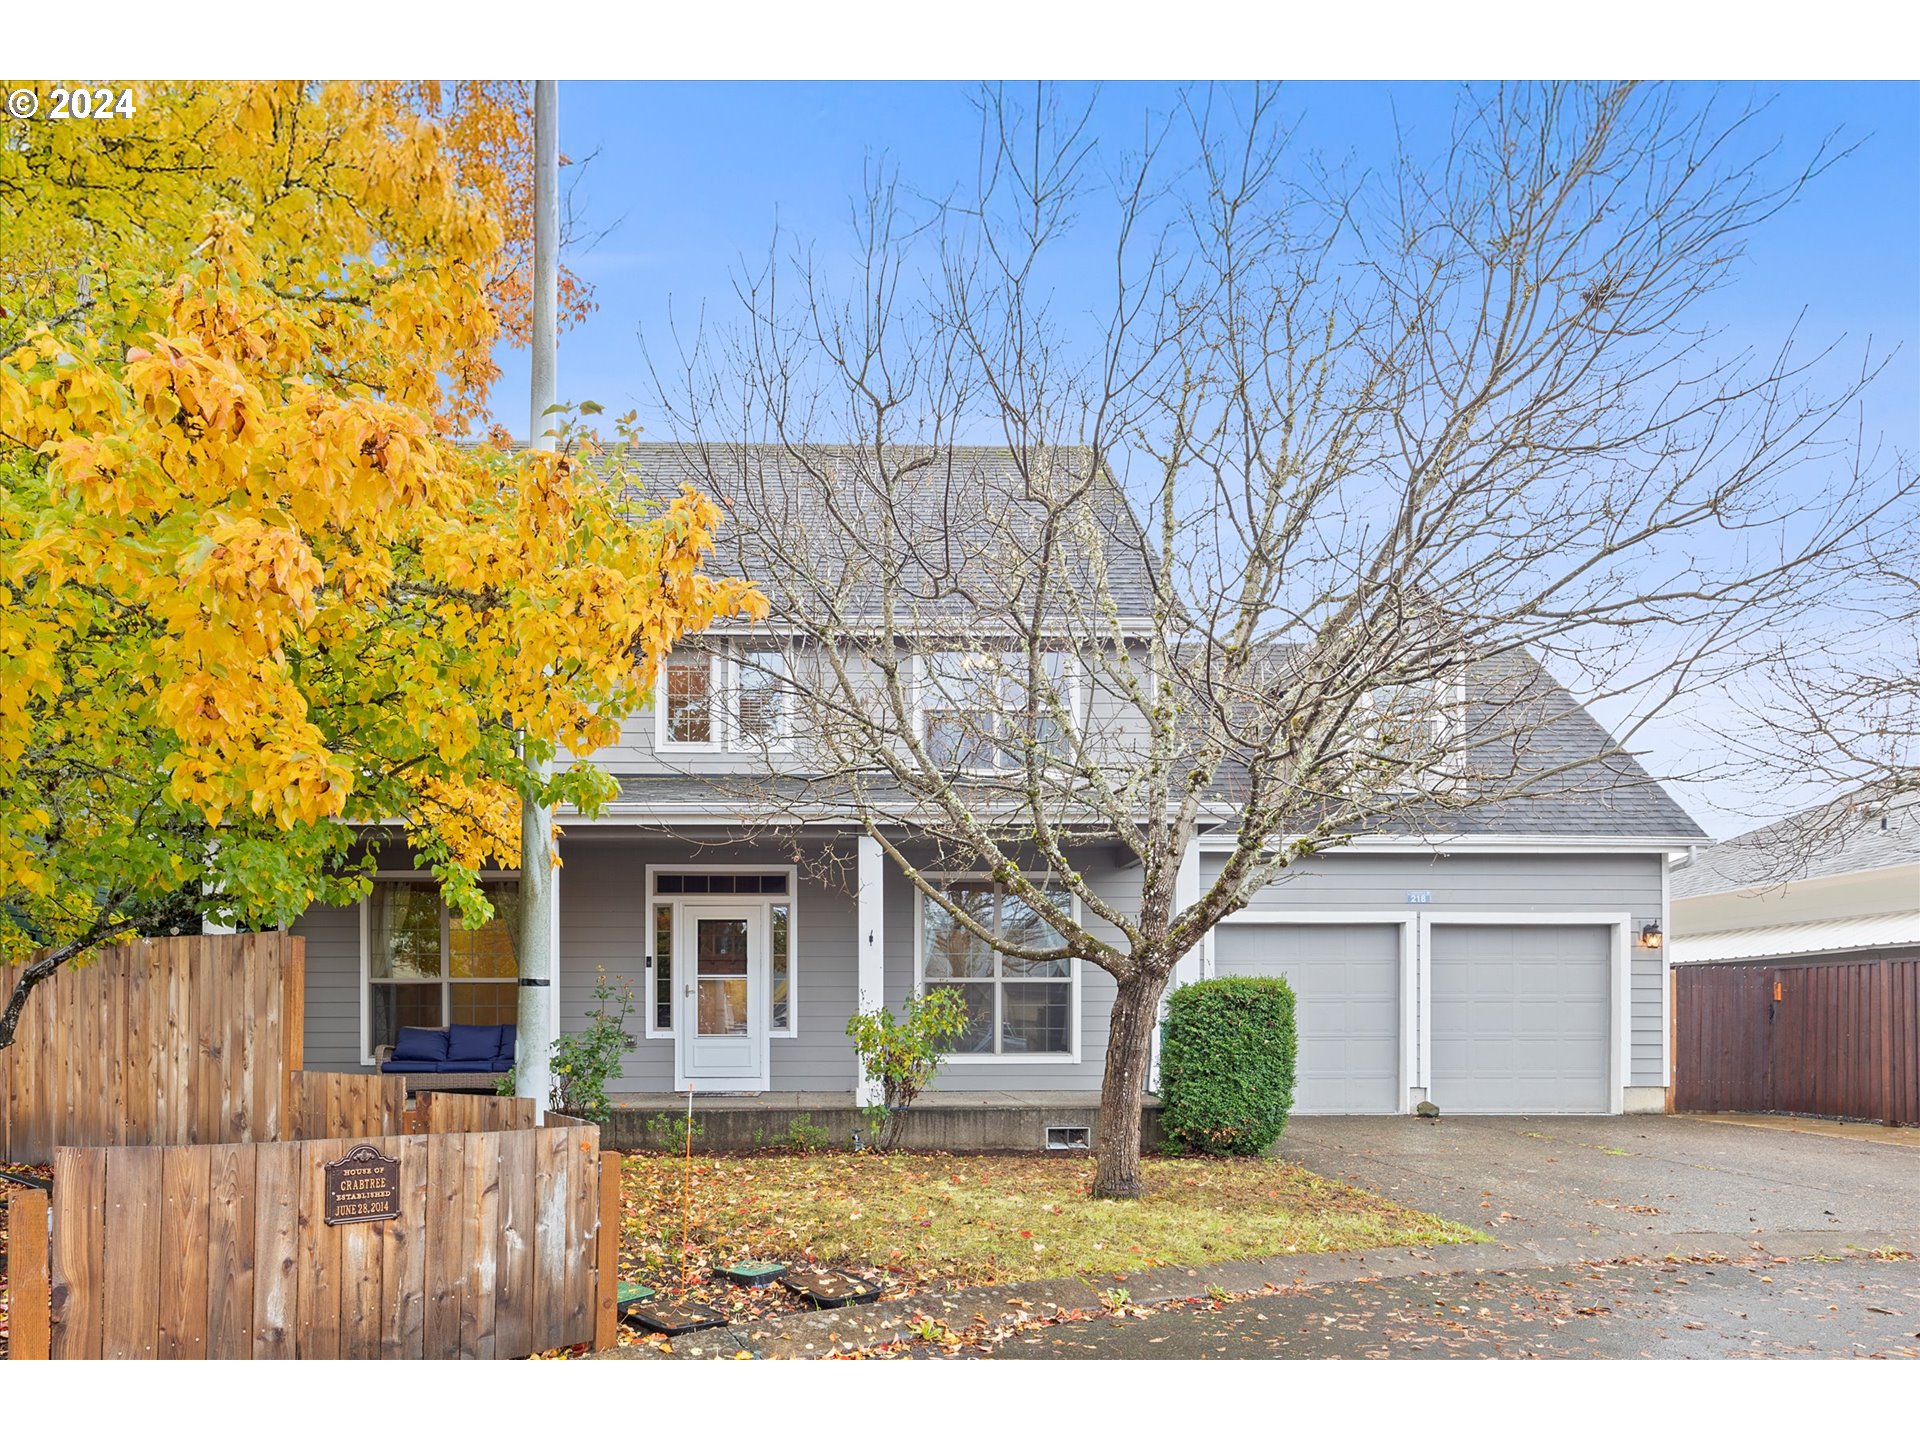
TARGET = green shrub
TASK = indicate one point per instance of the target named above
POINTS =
(675, 1134)
(584, 1060)
(902, 1054)
(805, 1136)
(1226, 1065)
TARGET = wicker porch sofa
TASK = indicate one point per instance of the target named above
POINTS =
(460, 1057)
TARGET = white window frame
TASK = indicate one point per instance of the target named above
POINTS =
(924, 683)
(723, 689)
(766, 903)
(366, 948)
(782, 741)
(1074, 967)
(716, 690)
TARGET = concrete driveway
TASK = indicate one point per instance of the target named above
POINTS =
(1562, 1188)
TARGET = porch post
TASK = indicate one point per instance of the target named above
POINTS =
(870, 948)
(1186, 891)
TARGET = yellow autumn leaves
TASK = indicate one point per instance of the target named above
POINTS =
(249, 585)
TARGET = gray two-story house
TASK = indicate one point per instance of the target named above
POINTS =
(1507, 962)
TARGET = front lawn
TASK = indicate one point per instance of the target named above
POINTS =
(920, 1220)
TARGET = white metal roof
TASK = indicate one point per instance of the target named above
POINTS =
(1805, 937)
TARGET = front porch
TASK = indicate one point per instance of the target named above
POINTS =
(977, 1121)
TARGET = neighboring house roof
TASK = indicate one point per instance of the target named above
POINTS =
(1804, 937)
(1838, 838)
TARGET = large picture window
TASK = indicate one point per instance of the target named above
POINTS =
(427, 968)
(1015, 1008)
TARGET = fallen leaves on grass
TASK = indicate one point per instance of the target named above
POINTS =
(924, 1222)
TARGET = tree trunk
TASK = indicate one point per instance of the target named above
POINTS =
(1136, 1012)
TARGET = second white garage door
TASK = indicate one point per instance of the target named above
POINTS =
(1521, 1019)
(1346, 984)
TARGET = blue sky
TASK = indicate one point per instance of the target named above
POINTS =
(698, 173)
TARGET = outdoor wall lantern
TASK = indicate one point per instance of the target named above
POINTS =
(1650, 937)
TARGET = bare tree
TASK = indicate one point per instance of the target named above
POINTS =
(1843, 717)
(1284, 540)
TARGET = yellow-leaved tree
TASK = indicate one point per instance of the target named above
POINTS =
(253, 590)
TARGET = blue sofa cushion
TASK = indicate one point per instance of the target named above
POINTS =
(472, 1046)
(502, 1064)
(411, 1067)
(505, 1052)
(415, 1044)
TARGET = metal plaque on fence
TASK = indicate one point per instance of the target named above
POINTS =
(362, 1185)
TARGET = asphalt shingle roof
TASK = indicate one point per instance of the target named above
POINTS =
(1838, 838)
(811, 525)
(951, 510)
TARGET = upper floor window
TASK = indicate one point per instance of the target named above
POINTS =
(728, 699)
(977, 711)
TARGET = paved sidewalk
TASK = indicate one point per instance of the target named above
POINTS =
(1809, 1309)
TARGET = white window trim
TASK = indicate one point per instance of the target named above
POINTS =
(716, 676)
(782, 741)
(366, 949)
(923, 685)
(1074, 967)
(765, 902)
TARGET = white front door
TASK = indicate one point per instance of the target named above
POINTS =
(723, 996)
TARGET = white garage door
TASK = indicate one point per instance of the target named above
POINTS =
(1346, 985)
(1521, 1019)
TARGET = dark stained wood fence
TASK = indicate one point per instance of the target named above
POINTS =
(180, 1041)
(1838, 1038)
(504, 1246)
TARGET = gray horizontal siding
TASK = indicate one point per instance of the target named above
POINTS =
(1542, 883)
(332, 1033)
(604, 922)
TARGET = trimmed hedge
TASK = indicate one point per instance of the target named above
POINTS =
(1226, 1064)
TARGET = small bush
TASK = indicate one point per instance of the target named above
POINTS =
(1226, 1065)
(673, 1133)
(902, 1054)
(805, 1136)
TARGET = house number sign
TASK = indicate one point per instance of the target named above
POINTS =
(362, 1185)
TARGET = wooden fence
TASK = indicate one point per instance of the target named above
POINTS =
(1838, 1038)
(324, 1106)
(503, 1243)
(181, 1041)
(440, 1112)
